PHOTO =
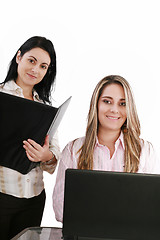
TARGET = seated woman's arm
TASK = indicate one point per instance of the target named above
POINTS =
(58, 193)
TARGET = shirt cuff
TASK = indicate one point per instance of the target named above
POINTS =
(49, 166)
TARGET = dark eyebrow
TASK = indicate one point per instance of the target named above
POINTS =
(36, 60)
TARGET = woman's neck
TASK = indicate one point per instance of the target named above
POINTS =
(27, 95)
(108, 138)
(27, 90)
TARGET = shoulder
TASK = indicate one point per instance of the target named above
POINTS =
(75, 144)
(70, 153)
(147, 147)
(9, 87)
(149, 161)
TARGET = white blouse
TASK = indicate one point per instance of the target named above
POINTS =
(31, 184)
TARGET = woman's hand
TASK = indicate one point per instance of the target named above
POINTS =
(36, 152)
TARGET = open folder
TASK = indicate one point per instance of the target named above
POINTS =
(21, 119)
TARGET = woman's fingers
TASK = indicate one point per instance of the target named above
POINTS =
(36, 152)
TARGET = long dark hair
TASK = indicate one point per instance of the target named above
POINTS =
(43, 88)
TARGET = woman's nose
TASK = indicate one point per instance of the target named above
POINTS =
(34, 69)
(114, 109)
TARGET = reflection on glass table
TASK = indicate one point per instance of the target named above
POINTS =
(47, 233)
(39, 233)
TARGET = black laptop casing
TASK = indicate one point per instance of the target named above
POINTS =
(111, 205)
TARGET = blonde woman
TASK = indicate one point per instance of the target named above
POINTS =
(112, 140)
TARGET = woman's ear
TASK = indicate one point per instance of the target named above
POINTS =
(18, 57)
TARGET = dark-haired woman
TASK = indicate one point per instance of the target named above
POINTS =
(31, 75)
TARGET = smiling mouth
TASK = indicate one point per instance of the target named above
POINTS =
(113, 118)
(30, 75)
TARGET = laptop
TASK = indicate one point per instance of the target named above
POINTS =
(111, 205)
(22, 119)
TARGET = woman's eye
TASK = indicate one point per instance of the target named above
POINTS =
(31, 60)
(106, 101)
(123, 104)
(44, 67)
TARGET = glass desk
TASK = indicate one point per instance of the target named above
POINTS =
(47, 233)
(39, 233)
(53, 233)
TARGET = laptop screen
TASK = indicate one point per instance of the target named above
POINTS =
(111, 205)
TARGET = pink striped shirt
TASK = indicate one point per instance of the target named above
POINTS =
(102, 161)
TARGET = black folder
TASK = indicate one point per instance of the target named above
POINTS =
(21, 119)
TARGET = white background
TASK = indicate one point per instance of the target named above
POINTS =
(92, 38)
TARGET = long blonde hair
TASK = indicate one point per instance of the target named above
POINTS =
(131, 128)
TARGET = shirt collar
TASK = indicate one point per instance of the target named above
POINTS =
(119, 140)
(35, 95)
(11, 85)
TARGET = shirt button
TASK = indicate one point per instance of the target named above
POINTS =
(28, 180)
(18, 90)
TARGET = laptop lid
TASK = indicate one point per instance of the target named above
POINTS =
(111, 205)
